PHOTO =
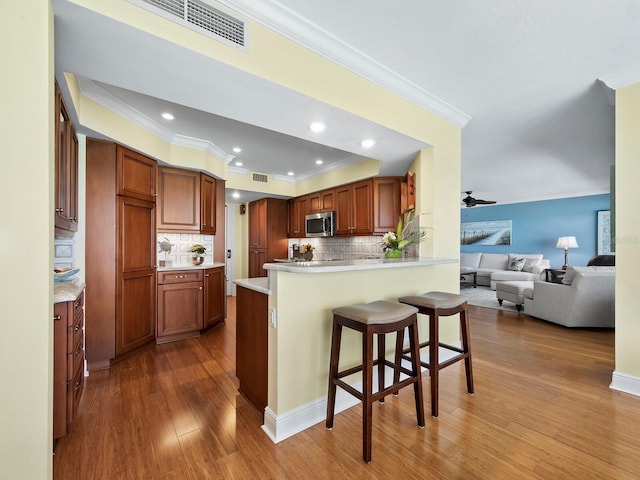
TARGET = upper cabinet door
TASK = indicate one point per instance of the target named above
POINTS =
(386, 204)
(207, 204)
(362, 208)
(178, 200)
(137, 175)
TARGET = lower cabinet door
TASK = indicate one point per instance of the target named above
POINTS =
(136, 314)
(180, 308)
(214, 296)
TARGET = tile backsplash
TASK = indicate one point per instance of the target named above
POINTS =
(182, 243)
(64, 252)
(344, 248)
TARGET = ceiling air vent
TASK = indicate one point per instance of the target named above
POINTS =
(200, 17)
(260, 177)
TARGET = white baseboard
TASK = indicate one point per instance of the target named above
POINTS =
(625, 383)
(280, 427)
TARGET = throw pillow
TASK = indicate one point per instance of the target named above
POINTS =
(569, 276)
(530, 263)
(517, 264)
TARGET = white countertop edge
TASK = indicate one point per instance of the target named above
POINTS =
(352, 265)
(259, 284)
(189, 266)
(67, 291)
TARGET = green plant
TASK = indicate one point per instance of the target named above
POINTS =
(408, 232)
(198, 249)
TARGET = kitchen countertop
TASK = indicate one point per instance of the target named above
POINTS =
(67, 291)
(259, 284)
(351, 265)
(190, 266)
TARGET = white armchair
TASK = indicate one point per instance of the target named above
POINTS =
(587, 301)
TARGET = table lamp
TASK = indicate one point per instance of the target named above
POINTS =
(566, 243)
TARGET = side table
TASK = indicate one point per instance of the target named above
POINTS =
(469, 271)
(554, 275)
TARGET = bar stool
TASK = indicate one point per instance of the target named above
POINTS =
(377, 318)
(435, 305)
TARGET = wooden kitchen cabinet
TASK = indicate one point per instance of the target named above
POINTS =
(178, 200)
(386, 204)
(298, 210)
(68, 363)
(136, 277)
(252, 346)
(137, 175)
(180, 305)
(322, 201)
(120, 251)
(354, 208)
(267, 234)
(186, 201)
(214, 296)
(208, 204)
(66, 170)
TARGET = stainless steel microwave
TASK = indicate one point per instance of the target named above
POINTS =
(320, 224)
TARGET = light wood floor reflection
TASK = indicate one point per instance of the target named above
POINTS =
(542, 410)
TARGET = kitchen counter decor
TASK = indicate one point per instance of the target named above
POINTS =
(198, 250)
(307, 251)
(408, 232)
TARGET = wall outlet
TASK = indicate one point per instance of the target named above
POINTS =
(272, 317)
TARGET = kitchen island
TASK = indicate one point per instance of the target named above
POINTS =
(300, 297)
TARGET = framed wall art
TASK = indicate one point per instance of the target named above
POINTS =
(496, 232)
(603, 241)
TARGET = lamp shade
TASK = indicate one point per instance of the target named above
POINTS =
(567, 242)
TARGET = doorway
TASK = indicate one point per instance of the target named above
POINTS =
(229, 236)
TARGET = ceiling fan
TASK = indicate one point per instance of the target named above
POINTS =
(469, 201)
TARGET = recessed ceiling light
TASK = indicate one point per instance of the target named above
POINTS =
(237, 149)
(238, 164)
(319, 161)
(317, 127)
(368, 142)
(291, 174)
(167, 116)
(235, 195)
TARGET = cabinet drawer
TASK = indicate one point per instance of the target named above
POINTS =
(77, 308)
(74, 333)
(180, 276)
(75, 361)
(73, 397)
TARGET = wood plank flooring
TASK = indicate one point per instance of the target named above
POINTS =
(542, 410)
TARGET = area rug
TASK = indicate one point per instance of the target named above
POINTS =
(485, 297)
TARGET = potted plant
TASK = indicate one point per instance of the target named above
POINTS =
(408, 232)
(198, 253)
(307, 251)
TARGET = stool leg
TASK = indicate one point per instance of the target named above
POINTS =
(398, 358)
(381, 356)
(333, 372)
(367, 403)
(416, 370)
(466, 347)
(434, 361)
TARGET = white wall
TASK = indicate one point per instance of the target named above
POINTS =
(26, 226)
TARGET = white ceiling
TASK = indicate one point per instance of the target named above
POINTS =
(525, 71)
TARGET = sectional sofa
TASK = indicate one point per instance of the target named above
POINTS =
(504, 267)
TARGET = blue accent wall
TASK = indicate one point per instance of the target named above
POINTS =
(536, 226)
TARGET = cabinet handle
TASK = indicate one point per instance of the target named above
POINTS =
(206, 275)
(61, 210)
(77, 328)
(56, 317)
(78, 351)
(181, 276)
(200, 288)
(77, 386)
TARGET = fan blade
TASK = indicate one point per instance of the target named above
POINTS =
(485, 202)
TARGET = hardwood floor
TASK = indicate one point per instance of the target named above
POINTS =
(542, 410)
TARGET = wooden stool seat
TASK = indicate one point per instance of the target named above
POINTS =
(435, 305)
(375, 318)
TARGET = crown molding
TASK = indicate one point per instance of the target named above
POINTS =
(237, 170)
(283, 178)
(91, 90)
(345, 162)
(301, 30)
(622, 79)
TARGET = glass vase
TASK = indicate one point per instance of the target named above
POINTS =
(393, 253)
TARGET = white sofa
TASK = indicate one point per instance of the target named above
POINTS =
(586, 298)
(495, 267)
